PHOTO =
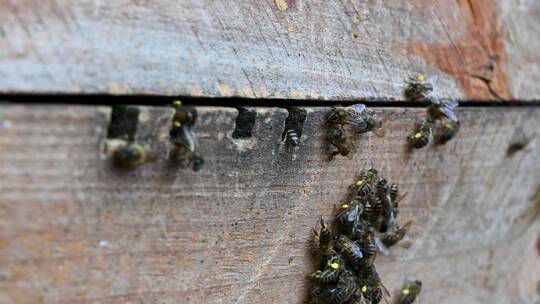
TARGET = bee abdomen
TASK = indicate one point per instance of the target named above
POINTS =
(293, 138)
(394, 192)
(408, 299)
(420, 142)
(376, 295)
(369, 248)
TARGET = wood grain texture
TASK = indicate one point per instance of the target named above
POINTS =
(74, 229)
(298, 49)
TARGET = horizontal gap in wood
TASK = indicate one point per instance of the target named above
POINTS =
(150, 100)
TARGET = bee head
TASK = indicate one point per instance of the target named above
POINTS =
(336, 115)
(338, 134)
(197, 163)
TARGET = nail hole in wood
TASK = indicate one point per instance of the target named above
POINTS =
(245, 121)
(124, 122)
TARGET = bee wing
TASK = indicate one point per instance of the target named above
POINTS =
(380, 246)
(359, 107)
(404, 244)
(401, 197)
(385, 290)
(185, 138)
(448, 113)
(352, 150)
(451, 103)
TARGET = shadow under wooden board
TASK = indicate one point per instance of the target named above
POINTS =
(75, 229)
(292, 49)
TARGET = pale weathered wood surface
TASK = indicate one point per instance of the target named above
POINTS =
(74, 229)
(300, 49)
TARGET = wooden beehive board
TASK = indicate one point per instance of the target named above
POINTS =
(271, 49)
(75, 229)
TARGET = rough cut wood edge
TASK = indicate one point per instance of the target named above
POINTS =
(305, 50)
(73, 229)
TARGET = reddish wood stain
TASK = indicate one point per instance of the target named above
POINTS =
(478, 51)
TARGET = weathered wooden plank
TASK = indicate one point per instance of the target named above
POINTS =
(75, 229)
(258, 49)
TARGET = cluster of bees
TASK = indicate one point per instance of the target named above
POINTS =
(438, 110)
(184, 144)
(440, 120)
(364, 226)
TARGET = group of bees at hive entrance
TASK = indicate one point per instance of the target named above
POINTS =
(365, 225)
(439, 125)
(185, 148)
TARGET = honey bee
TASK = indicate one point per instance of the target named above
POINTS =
(351, 115)
(387, 220)
(373, 206)
(319, 295)
(182, 136)
(410, 292)
(360, 230)
(448, 131)
(368, 246)
(442, 108)
(334, 266)
(345, 288)
(292, 138)
(185, 115)
(371, 286)
(423, 136)
(324, 237)
(349, 215)
(363, 183)
(339, 140)
(356, 116)
(417, 89)
(131, 155)
(358, 298)
(394, 191)
(391, 238)
(350, 250)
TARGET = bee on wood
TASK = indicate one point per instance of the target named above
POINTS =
(345, 288)
(387, 215)
(358, 117)
(350, 250)
(394, 191)
(182, 136)
(339, 140)
(319, 295)
(371, 286)
(363, 183)
(358, 298)
(334, 266)
(324, 238)
(417, 89)
(351, 115)
(448, 131)
(410, 292)
(396, 197)
(442, 108)
(131, 155)
(422, 136)
(349, 215)
(391, 238)
(360, 230)
(292, 138)
(368, 246)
